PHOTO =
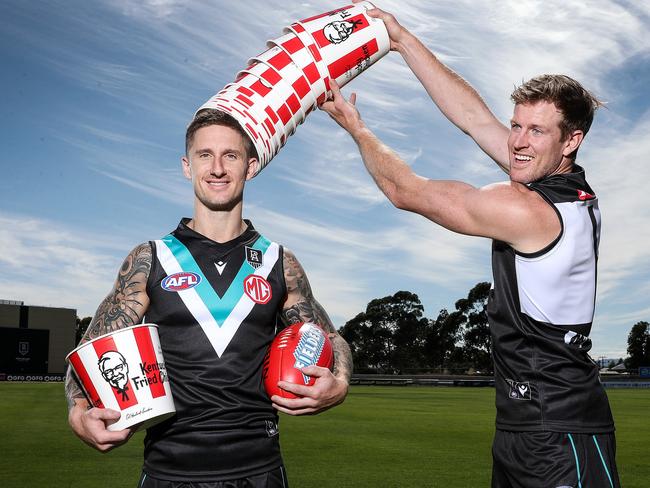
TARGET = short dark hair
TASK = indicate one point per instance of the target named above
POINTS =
(570, 97)
(210, 116)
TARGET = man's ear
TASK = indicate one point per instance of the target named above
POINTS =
(187, 167)
(573, 143)
(251, 170)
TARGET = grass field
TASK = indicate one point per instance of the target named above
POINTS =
(380, 437)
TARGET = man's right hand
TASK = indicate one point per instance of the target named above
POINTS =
(91, 427)
(343, 111)
(396, 31)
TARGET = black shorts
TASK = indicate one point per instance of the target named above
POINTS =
(276, 478)
(553, 460)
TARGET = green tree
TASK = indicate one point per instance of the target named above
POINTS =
(638, 346)
(477, 343)
(80, 329)
(460, 340)
(409, 327)
(389, 336)
(443, 334)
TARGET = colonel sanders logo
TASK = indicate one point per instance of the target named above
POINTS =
(339, 30)
(115, 371)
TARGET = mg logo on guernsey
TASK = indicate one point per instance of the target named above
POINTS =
(257, 289)
(180, 281)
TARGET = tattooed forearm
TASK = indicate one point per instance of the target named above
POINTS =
(124, 306)
(73, 391)
(127, 302)
(308, 311)
(342, 357)
(301, 306)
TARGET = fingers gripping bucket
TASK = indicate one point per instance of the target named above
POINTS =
(348, 39)
(125, 371)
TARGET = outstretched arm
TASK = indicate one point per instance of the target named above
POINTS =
(454, 96)
(330, 388)
(507, 212)
(124, 306)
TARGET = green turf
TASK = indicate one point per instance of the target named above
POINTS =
(380, 437)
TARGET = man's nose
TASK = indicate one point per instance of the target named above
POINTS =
(218, 168)
(520, 139)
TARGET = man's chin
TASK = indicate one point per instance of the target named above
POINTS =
(520, 177)
(221, 206)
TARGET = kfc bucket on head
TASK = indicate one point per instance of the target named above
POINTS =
(125, 371)
(284, 84)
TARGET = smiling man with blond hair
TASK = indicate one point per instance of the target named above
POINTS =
(554, 424)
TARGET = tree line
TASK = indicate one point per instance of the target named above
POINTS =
(393, 336)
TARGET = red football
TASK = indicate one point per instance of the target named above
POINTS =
(295, 347)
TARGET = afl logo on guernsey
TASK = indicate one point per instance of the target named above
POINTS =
(180, 281)
(257, 289)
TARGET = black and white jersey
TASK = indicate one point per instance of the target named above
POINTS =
(217, 308)
(540, 312)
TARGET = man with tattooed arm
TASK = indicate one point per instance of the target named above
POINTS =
(225, 430)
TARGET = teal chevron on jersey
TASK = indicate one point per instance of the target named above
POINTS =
(220, 308)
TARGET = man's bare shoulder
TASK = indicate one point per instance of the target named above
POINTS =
(515, 193)
(529, 222)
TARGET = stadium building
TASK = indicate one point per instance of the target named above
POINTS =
(34, 341)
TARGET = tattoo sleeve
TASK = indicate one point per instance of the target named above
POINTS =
(124, 306)
(301, 306)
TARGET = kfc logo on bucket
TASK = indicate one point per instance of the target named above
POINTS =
(115, 371)
(338, 31)
(257, 289)
(125, 371)
(180, 281)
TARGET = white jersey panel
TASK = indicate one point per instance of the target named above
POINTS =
(559, 287)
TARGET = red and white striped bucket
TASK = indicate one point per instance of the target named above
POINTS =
(288, 80)
(125, 371)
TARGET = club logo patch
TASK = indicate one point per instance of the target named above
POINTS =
(254, 257)
(271, 428)
(257, 289)
(519, 390)
(180, 281)
(23, 348)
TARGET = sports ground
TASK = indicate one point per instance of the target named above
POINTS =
(380, 437)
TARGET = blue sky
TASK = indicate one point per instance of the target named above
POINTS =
(96, 97)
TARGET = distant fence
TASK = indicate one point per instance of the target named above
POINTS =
(468, 380)
(39, 378)
(420, 380)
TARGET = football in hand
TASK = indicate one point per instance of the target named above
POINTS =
(296, 346)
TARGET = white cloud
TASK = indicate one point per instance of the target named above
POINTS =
(46, 263)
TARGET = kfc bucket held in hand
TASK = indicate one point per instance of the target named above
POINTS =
(348, 39)
(125, 371)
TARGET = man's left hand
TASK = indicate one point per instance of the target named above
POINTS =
(327, 392)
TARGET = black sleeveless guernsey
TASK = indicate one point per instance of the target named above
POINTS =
(217, 308)
(540, 312)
